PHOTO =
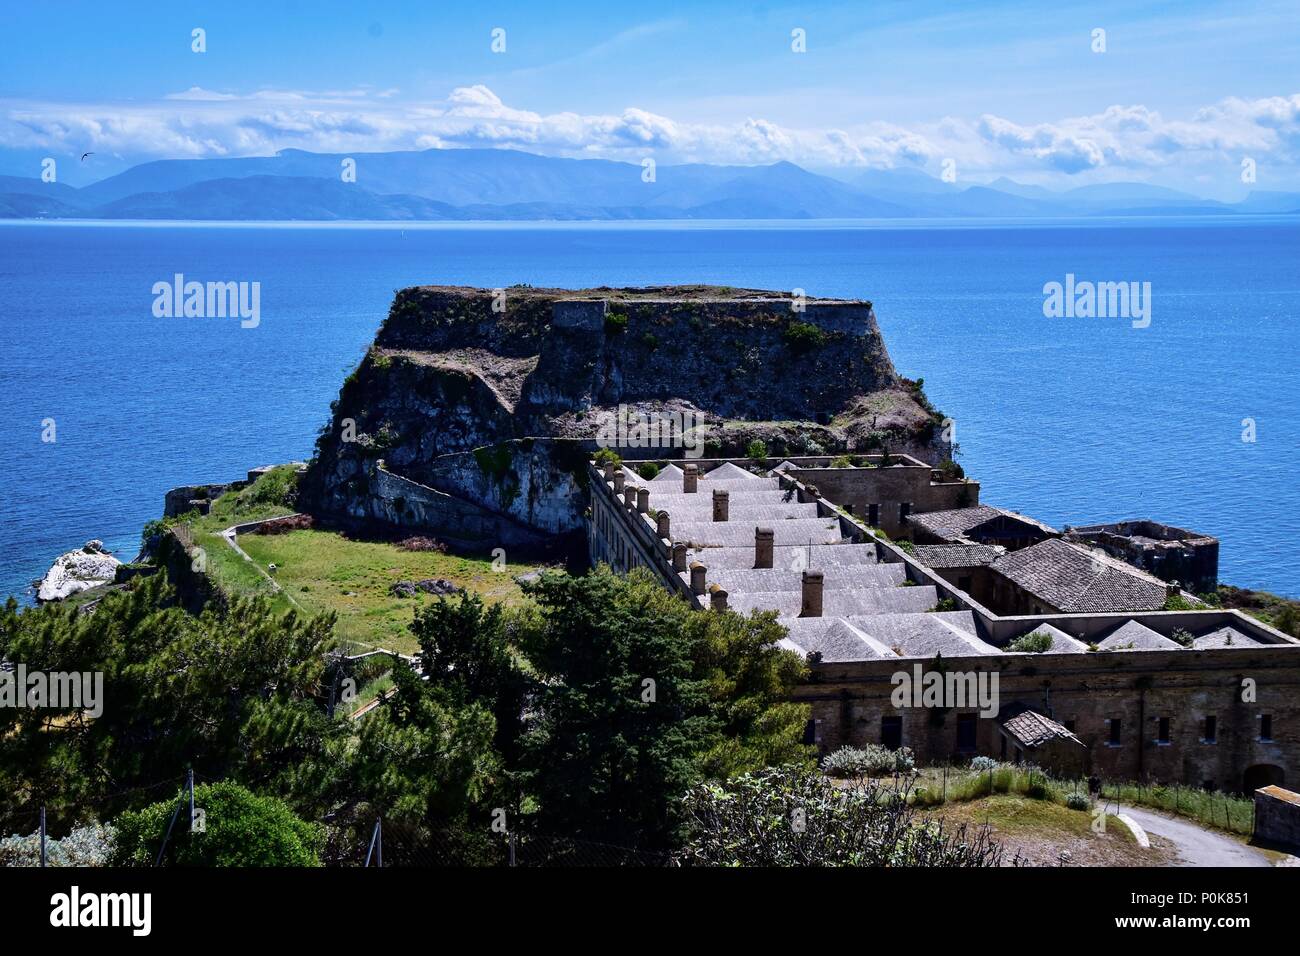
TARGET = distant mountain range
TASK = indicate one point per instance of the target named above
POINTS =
(499, 184)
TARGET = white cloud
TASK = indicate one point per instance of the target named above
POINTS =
(1119, 140)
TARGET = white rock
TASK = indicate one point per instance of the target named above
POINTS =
(76, 571)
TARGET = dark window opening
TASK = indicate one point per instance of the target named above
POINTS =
(810, 732)
(1069, 725)
(966, 733)
(1207, 785)
(965, 583)
(873, 515)
(904, 510)
(1114, 730)
(1211, 729)
(1162, 735)
(1266, 727)
(891, 732)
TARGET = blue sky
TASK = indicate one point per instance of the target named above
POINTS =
(1183, 92)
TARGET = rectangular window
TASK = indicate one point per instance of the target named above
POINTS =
(904, 510)
(1115, 732)
(966, 733)
(891, 732)
(1162, 734)
(873, 515)
(1266, 727)
(1211, 729)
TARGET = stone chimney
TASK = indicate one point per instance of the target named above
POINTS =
(698, 572)
(690, 476)
(763, 541)
(720, 504)
(679, 556)
(718, 598)
(643, 500)
(811, 605)
(610, 468)
(629, 496)
(809, 494)
(663, 526)
(1172, 590)
(619, 479)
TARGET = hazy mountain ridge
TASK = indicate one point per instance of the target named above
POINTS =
(498, 184)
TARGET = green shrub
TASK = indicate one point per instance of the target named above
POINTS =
(803, 336)
(1182, 636)
(949, 470)
(983, 764)
(240, 828)
(947, 604)
(1077, 801)
(606, 456)
(1035, 643)
(1177, 602)
(787, 816)
(615, 323)
(842, 461)
(757, 450)
(647, 470)
(872, 759)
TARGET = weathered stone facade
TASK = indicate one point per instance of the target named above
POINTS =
(460, 381)
(1222, 712)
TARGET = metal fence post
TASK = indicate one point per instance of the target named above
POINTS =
(42, 835)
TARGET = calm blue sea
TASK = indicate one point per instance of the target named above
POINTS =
(1069, 420)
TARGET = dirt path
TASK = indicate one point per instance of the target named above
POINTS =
(1195, 845)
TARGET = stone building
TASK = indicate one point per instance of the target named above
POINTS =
(1207, 698)
(1172, 554)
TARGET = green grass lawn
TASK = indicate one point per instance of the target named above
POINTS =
(1041, 830)
(320, 571)
(325, 571)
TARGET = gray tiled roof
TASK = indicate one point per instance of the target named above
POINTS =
(819, 557)
(835, 639)
(954, 523)
(1134, 636)
(958, 555)
(951, 525)
(1032, 729)
(1077, 580)
(730, 472)
(951, 633)
(852, 577)
(839, 603)
(1225, 637)
(787, 531)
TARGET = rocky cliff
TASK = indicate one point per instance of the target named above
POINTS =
(474, 409)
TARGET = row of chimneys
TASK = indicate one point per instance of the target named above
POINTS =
(764, 541)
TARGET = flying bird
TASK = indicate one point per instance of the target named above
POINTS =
(84, 155)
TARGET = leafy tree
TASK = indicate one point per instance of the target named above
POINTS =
(621, 715)
(749, 680)
(232, 692)
(240, 828)
(638, 697)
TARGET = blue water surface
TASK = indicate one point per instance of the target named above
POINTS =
(1069, 420)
